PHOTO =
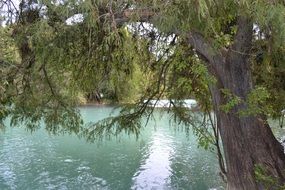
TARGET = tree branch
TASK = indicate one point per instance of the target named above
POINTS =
(214, 58)
(195, 39)
(202, 46)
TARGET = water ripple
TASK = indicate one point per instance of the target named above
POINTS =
(160, 159)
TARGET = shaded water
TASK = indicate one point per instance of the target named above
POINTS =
(162, 158)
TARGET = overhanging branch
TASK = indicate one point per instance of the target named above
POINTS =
(195, 39)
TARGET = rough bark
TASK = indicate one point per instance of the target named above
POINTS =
(247, 140)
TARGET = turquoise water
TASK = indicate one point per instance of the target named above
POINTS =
(162, 158)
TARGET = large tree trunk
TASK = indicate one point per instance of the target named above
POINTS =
(247, 140)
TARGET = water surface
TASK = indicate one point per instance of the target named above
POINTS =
(161, 159)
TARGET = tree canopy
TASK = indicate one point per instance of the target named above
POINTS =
(52, 51)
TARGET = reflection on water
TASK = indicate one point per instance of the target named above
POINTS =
(161, 158)
(156, 163)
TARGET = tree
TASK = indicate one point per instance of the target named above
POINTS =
(184, 41)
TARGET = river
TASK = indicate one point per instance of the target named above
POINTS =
(162, 158)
